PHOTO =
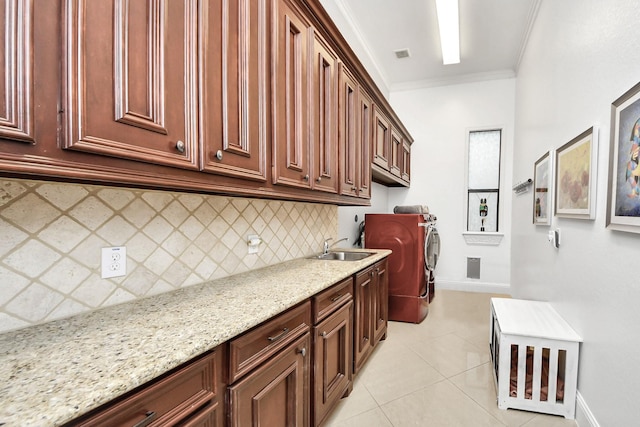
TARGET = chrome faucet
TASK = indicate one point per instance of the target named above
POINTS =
(326, 247)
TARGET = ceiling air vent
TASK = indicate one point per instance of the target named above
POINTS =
(402, 53)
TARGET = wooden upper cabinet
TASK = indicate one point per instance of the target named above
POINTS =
(16, 85)
(130, 79)
(365, 133)
(290, 51)
(406, 162)
(355, 118)
(381, 139)
(324, 116)
(396, 153)
(235, 108)
(349, 150)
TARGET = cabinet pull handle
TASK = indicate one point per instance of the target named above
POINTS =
(219, 154)
(180, 146)
(302, 351)
(150, 415)
(336, 298)
(280, 335)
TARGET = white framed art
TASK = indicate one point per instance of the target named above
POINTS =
(542, 189)
(576, 166)
(623, 199)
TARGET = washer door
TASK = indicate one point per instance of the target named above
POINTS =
(431, 248)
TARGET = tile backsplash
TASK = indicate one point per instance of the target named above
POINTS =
(51, 235)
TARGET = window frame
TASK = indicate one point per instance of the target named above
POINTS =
(469, 191)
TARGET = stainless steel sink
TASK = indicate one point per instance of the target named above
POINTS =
(343, 256)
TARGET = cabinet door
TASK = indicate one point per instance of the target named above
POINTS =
(365, 132)
(235, 106)
(380, 303)
(277, 392)
(363, 328)
(332, 361)
(406, 162)
(130, 80)
(17, 83)
(290, 38)
(381, 139)
(349, 150)
(324, 117)
(396, 153)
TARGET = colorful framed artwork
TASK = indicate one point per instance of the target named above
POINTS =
(542, 201)
(623, 199)
(575, 177)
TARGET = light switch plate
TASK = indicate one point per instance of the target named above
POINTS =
(253, 243)
(114, 262)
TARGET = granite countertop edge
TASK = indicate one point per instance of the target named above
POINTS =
(54, 372)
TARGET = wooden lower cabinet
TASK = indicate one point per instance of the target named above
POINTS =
(269, 371)
(380, 310)
(290, 370)
(371, 312)
(277, 392)
(333, 348)
(191, 396)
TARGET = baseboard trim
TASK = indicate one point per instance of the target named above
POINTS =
(491, 288)
(584, 416)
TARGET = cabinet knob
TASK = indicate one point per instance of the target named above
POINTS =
(306, 177)
(354, 188)
(318, 179)
(302, 351)
(180, 146)
(219, 154)
(324, 334)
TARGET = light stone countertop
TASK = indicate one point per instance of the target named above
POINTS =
(55, 372)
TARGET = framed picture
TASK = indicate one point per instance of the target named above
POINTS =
(542, 201)
(575, 176)
(623, 201)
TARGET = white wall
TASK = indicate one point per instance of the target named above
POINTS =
(348, 226)
(439, 119)
(581, 56)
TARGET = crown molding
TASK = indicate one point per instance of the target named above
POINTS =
(453, 80)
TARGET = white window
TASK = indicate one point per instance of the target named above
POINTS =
(483, 186)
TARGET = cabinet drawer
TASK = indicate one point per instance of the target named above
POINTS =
(330, 299)
(185, 396)
(254, 347)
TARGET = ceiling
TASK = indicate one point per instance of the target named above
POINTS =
(493, 34)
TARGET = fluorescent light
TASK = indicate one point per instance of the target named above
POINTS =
(449, 25)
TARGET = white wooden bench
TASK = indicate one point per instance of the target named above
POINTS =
(534, 353)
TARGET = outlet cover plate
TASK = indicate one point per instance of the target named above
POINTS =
(114, 262)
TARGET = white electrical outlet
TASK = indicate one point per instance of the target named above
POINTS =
(114, 262)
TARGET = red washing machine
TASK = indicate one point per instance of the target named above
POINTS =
(415, 243)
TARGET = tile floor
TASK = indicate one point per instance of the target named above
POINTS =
(435, 374)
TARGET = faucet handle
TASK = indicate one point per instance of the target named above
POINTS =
(325, 246)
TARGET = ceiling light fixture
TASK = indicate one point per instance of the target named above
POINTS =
(449, 25)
